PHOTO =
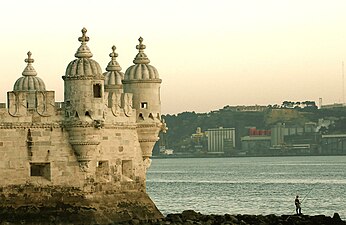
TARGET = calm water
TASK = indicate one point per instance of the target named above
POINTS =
(257, 185)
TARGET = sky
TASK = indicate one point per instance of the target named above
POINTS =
(209, 53)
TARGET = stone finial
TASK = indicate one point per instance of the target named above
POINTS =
(83, 51)
(113, 54)
(141, 46)
(141, 57)
(29, 70)
(113, 65)
(29, 59)
(84, 38)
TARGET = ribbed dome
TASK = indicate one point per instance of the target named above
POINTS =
(83, 65)
(113, 76)
(29, 81)
(141, 70)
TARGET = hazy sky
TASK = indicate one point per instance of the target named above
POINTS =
(209, 53)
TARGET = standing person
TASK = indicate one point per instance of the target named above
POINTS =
(297, 203)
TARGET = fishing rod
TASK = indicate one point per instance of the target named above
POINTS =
(308, 193)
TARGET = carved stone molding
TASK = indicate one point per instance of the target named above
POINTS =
(149, 140)
(77, 142)
(26, 126)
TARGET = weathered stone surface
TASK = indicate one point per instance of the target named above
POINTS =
(68, 205)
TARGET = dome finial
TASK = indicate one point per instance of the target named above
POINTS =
(113, 65)
(141, 46)
(84, 38)
(141, 57)
(83, 51)
(29, 59)
(113, 54)
(29, 69)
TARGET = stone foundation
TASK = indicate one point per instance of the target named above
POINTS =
(28, 204)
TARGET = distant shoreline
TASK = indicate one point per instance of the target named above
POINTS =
(175, 156)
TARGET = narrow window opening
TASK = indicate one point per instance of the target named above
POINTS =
(144, 105)
(140, 116)
(151, 116)
(97, 90)
(76, 115)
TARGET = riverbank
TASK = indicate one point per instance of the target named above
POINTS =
(190, 217)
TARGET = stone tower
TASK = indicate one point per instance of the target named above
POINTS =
(84, 160)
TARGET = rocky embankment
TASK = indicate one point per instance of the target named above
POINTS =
(190, 217)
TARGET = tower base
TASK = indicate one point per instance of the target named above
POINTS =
(22, 204)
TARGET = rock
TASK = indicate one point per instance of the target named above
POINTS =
(190, 215)
(231, 218)
(175, 218)
(336, 216)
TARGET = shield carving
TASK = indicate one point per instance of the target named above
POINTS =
(116, 104)
(128, 104)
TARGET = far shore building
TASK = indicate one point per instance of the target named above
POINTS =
(257, 142)
(334, 144)
(221, 140)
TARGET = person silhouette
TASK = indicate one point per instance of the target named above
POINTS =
(297, 203)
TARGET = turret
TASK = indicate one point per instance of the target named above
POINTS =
(84, 105)
(113, 83)
(84, 85)
(142, 80)
(29, 94)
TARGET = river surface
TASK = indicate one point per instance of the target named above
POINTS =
(249, 185)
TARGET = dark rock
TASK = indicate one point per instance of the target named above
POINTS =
(190, 215)
(231, 218)
(336, 217)
(174, 218)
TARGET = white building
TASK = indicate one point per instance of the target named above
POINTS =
(221, 140)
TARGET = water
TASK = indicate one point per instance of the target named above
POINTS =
(259, 185)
